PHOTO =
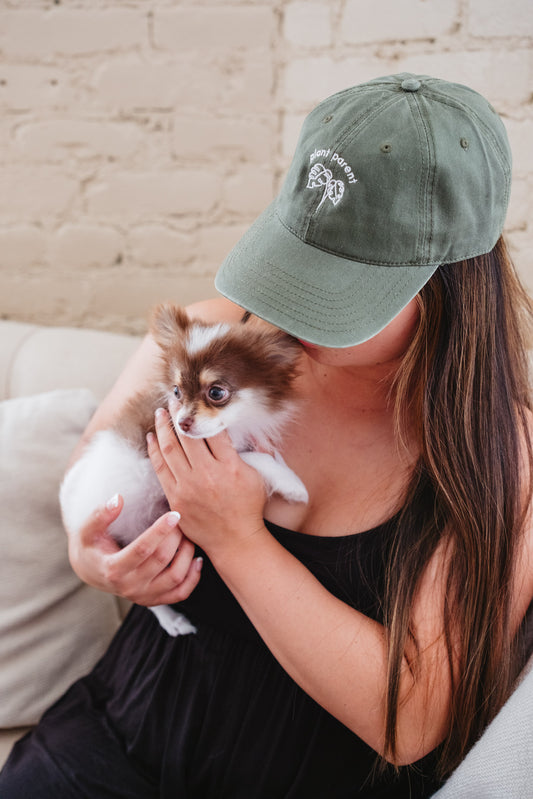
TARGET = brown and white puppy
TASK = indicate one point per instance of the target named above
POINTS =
(212, 377)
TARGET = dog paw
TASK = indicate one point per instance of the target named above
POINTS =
(295, 491)
(173, 623)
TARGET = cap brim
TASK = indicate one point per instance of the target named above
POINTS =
(310, 293)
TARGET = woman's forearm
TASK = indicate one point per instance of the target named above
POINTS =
(335, 653)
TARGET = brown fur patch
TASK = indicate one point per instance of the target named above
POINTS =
(247, 356)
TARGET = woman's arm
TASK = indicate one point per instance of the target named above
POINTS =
(336, 654)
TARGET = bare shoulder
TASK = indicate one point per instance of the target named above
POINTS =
(215, 310)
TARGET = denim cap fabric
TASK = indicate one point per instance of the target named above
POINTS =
(390, 179)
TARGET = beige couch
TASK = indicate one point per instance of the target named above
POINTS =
(52, 627)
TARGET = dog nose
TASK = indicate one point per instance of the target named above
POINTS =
(186, 424)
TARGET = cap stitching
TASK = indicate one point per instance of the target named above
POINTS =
(317, 308)
(370, 262)
(282, 305)
(313, 306)
(367, 118)
(470, 112)
(499, 152)
(420, 191)
(309, 296)
(351, 130)
(429, 181)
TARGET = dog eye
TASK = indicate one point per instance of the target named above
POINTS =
(218, 394)
(177, 392)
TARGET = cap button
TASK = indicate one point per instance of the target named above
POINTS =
(411, 85)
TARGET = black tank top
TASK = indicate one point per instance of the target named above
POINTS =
(351, 567)
(214, 715)
(334, 761)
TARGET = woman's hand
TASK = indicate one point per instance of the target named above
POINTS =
(158, 568)
(220, 498)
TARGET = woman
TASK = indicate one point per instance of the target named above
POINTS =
(379, 626)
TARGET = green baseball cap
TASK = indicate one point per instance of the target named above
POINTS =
(390, 179)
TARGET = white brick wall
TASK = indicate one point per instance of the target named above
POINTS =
(401, 19)
(43, 33)
(139, 140)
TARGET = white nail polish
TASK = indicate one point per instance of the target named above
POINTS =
(112, 503)
(173, 518)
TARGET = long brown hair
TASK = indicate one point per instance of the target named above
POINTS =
(464, 388)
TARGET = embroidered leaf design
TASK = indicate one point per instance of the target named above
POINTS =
(335, 190)
(319, 176)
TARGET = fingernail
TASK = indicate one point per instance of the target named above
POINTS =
(150, 438)
(112, 503)
(160, 413)
(173, 518)
(199, 562)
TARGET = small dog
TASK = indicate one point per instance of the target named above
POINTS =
(212, 377)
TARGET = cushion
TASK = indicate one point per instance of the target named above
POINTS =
(53, 627)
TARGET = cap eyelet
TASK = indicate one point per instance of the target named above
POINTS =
(328, 118)
(464, 143)
(386, 148)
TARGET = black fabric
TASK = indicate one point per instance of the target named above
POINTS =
(211, 715)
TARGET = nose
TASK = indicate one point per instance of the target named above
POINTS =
(186, 424)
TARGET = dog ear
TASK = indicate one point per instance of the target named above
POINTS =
(168, 322)
(283, 349)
